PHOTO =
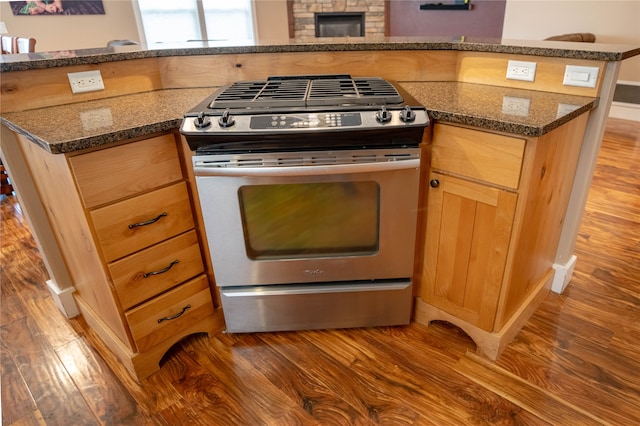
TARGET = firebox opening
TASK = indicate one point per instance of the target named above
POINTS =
(339, 24)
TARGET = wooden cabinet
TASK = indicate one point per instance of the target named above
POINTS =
(494, 208)
(127, 230)
(468, 232)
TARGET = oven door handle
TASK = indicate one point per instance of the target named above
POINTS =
(202, 169)
(291, 289)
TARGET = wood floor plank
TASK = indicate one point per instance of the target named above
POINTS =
(106, 396)
(53, 391)
(323, 386)
(543, 404)
(224, 392)
(576, 379)
(13, 389)
(465, 400)
(12, 307)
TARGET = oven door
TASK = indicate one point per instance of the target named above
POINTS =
(311, 217)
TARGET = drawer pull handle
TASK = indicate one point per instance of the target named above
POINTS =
(148, 222)
(176, 315)
(161, 271)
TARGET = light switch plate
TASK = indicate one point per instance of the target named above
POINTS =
(575, 75)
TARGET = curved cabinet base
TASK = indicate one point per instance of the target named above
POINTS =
(488, 344)
(142, 365)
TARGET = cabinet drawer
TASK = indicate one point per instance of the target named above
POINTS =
(479, 155)
(170, 313)
(149, 272)
(131, 225)
(114, 173)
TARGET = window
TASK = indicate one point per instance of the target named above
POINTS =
(221, 21)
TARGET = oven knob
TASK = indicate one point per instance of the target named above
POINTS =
(226, 120)
(383, 116)
(202, 121)
(407, 115)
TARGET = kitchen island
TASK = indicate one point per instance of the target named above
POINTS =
(73, 158)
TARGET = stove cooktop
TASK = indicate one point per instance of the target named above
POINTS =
(307, 91)
(301, 107)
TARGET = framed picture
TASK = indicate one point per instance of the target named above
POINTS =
(57, 7)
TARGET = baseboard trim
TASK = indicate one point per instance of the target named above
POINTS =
(563, 274)
(625, 111)
(63, 299)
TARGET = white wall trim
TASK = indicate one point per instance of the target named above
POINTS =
(625, 111)
(63, 299)
(563, 274)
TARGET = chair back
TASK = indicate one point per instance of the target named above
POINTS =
(12, 45)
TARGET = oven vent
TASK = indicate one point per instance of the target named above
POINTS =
(311, 158)
(290, 161)
(303, 91)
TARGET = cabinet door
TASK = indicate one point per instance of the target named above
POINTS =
(468, 232)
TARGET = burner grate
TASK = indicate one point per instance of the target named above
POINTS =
(307, 91)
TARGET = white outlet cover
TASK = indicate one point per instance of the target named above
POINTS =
(85, 81)
(521, 70)
(575, 75)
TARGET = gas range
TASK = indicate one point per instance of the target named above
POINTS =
(294, 112)
(308, 189)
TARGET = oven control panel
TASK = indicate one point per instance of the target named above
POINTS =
(306, 120)
(301, 122)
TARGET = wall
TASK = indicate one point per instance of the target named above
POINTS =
(483, 20)
(272, 21)
(69, 32)
(612, 21)
(88, 31)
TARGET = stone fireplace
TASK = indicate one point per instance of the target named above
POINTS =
(304, 16)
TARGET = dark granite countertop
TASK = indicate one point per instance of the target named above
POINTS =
(594, 51)
(73, 127)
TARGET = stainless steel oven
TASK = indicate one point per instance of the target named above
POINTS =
(310, 211)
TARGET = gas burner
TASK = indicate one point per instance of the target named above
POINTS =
(306, 91)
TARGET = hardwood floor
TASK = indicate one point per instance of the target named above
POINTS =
(576, 362)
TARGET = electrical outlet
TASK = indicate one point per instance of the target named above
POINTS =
(519, 70)
(575, 75)
(86, 81)
(515, 106)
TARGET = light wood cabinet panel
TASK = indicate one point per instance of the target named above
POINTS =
(144, 274)
(494, 211)
(136, 223)
(132, 216)
(115, 173)
(488, 157)
(468, 232)
(170, 313)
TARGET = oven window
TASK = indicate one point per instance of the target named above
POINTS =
(310, 219)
